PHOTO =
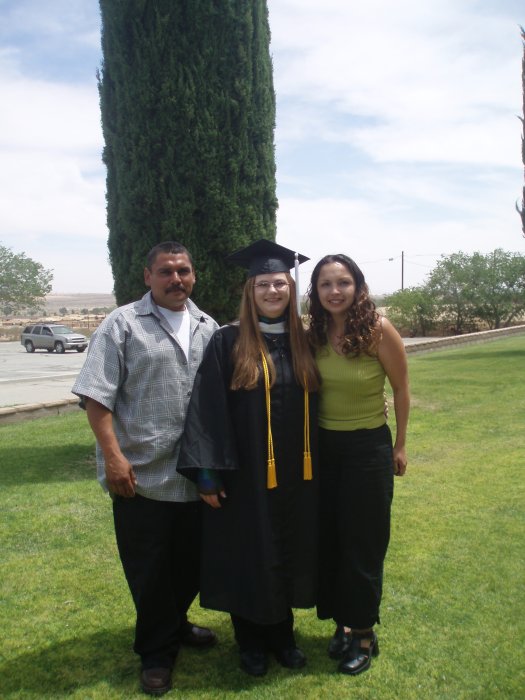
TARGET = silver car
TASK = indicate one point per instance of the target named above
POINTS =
(52, 336)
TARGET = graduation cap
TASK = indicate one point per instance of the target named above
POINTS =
(264, 257)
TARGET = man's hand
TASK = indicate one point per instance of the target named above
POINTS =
(120, 476)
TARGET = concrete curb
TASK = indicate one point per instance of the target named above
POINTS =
(16, 414)
(28, 411)
(453, 340)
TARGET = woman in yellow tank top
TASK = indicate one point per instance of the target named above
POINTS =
(356, 350)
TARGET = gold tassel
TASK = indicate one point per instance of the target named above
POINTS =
(307, 466)
(271, 481)
(307, 456)
(271, 477)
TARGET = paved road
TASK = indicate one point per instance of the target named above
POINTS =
(41, 377)
(38, 377)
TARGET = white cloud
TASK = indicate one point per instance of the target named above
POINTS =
(415, 106)
(371, 234)
(436, 80)
(50, 116)
(396, 131)
(79, 266)
(72, 19)
(52, 180)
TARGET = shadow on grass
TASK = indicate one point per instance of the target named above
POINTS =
(46, 464)
(105, 657)
(473, 354)
(65, 666)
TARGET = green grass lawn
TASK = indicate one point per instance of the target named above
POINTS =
(453, 616)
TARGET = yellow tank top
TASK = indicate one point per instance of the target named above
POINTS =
(352, 392)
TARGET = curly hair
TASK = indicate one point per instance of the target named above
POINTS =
(361, 323)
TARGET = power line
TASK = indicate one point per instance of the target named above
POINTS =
(369, 262)
(428, 267)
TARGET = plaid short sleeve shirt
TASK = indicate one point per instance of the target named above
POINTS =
(136, 368)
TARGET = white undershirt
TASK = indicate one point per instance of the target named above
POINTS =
(180, 323)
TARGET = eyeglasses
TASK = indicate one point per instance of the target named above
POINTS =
(279, 286)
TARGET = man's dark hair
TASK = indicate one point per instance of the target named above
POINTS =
(166, 247)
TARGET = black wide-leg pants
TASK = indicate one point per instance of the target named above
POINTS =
(159, 547)
(356, 488)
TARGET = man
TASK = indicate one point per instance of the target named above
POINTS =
(135, 386)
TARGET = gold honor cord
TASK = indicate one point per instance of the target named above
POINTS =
(307, 458)
(271, 479)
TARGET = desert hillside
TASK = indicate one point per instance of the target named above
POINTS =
(54, 302)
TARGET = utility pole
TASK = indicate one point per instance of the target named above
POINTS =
(402, 269)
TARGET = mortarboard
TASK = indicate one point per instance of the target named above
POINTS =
(264, 257)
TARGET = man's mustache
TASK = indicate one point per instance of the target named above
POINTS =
(175, 288)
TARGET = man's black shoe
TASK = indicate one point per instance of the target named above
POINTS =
(155, 681)
(254, 662)
(195, 636)
(291, 658)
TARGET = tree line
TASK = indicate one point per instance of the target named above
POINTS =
(24, 282)
(464, 293)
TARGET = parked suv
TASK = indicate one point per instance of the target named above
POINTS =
(52, 336)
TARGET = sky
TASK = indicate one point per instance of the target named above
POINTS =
(397, 137)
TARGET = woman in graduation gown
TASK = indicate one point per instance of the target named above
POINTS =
(250, 444)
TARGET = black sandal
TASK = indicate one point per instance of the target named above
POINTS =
(358, 658)
(340, 643)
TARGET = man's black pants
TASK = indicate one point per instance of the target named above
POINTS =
(159, 546)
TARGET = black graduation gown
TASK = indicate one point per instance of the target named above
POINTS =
(259, 550)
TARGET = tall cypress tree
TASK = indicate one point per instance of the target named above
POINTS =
(188, 115)
(521, 211)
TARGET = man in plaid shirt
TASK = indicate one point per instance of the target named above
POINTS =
(135, 386)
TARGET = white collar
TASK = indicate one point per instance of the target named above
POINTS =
(279, 327)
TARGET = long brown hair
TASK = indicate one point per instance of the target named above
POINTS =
(362, 331)
(250, 343)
